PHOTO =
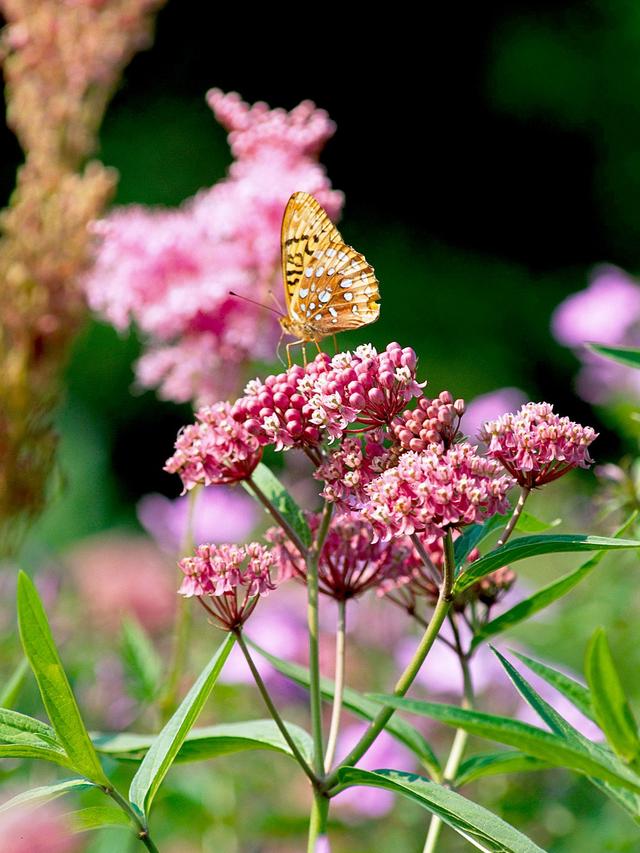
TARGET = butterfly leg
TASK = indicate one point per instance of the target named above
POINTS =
(293, 344)
(304, 353)
(278, 356)
(335, 345)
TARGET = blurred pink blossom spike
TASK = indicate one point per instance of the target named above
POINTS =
(221, 514)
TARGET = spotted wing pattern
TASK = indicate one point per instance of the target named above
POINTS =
(329, 287)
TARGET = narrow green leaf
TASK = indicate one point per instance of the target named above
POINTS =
(630, 356)
(38, 796)
(547, 746)
(96, 817)
(13, 685)
(360, 705)
(496, 763)
(531, 546)
(166, 746)
(142, 661)
(612, 709)
(57, 696)
(528, 523)
(575, 692)
(26, 737)
(208, 742)
(474, 535)
(270, 486)
(476, 824)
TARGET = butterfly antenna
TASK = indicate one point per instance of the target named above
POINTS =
(255, 302)
(278, 353)
(275, 299)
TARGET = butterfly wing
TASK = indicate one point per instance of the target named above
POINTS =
(329, 287)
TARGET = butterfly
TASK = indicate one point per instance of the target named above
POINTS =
(328, 286)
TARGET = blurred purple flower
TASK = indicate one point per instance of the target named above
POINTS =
(606, 312)
(489, 406)
(43, 829)
(385, 753)
(221, 514)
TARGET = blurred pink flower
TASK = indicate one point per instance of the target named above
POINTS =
(170, 271)
(486, 407)
(43, 829)
(385, 753)
(606, 312)
(119, 575)
(221, 514)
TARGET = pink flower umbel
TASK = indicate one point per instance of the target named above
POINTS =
(433, 490)
(350, 561)
(228, 580)
(169, 272)
(537, 446)
(347, 470)
(431, 422)
(216, 449)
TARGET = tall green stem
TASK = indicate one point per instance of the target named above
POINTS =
(277, 516)
(314, 656)
(182, 625)
(506, 533)
(262, 687)
(141, 830)
(442, 607)
(317, 822)
(459, 742)
(339, 685)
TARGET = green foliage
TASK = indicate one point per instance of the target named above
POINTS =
(610, 704)
(628, 356)
(576, 693)
(46, 793)
(531, 546)
(143, 663)
(96, 817)
(496, 763)
(476, 824)
(57, 696)
(13, 686)
(164, 749)
(273, 489)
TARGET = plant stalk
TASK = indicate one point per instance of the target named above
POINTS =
(336, 711)
(141, 830)
(318, 824)
(280, 520)
(506, 533)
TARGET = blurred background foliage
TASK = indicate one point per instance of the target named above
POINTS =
(485, 171)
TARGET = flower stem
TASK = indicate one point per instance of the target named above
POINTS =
(442, 607)
(277, 516)
(459, 742)
(318, 823)
(506, 533)
(314, 657)
(339, 685)
(182, 625)
(141, 830)
(262, 687)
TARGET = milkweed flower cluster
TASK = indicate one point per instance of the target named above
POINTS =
(347, 471)
(216, 449)
(431, 422)
(351, 562)
(607, 311)
(537, 446)
(229, 580)
(170, 271)
(430, 491)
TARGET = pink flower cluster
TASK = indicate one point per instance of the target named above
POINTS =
(170, 271)
(232, 578)
(433, 490)
(431, 422)
(347, 470)
(351, 562)
(216, 449)
(537, 446)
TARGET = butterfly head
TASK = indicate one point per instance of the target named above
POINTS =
(299, 329)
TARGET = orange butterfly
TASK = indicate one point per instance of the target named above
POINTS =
(328, 286)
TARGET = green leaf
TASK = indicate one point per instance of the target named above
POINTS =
(496, 763)
(547, 746)
(142, 660)
(531, 546)
(39, 796)
(26, 737)
(13, 686)
(474, 535)
(528, 523)
(476, 824)
(55, 690)
(360, 705)
(273, 489)
(545, 596)
(610, 704)
(575, 692)
(208, 742)
(166, 745)
(96, 817)
(624, 355)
